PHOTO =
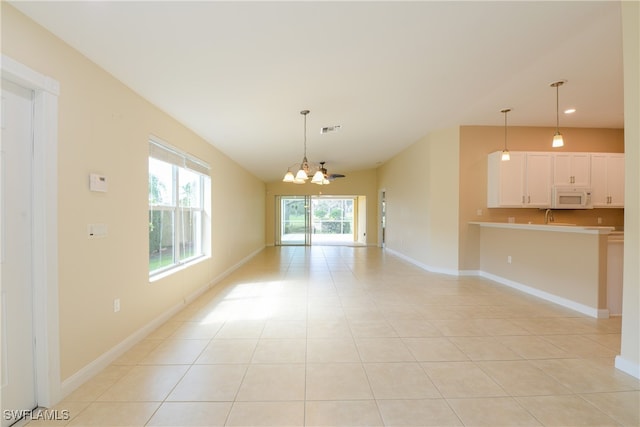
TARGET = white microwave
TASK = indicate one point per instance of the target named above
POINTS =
(571, 198)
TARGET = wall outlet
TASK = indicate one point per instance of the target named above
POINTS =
(599, 220)
(479, 212)
(511, 220)
(508, 259)
(116, 305)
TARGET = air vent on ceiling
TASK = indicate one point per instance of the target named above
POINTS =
(328, 129)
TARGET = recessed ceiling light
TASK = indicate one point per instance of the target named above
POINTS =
(570, 111)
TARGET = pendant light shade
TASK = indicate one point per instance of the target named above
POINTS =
(558, 141)
(288, 177)
(318, 177)
(505, 152)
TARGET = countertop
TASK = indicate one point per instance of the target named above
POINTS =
(562, 228)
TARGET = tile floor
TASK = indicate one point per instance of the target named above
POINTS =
(349, 336)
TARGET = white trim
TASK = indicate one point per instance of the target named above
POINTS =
(45, 226)
(469, 273)
(24, 76)
(581, 308)
(426, 267)
(628, 367)
(105, 359)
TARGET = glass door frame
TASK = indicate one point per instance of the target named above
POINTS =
(279, 226)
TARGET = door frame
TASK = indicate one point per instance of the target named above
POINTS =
(382, 212)
(45, 226)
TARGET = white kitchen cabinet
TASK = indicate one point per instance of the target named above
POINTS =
(538, 180)
(572, 169)
(607, 180)
(522, 182)
(505, 180)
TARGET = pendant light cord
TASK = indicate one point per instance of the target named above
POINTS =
(505, 129)
(505, 111)
(304, 113)
(557, 108)
(305, 133)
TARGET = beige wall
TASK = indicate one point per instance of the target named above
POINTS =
(630, 352)
(104, 128)
(358, 183)
(421, 186)
(478, 141)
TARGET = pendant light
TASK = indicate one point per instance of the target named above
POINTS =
(557, 137)
(303, 173)
(505, 153)
(320, 177)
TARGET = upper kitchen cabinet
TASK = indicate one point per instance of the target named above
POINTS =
(538, 180)
(522, 182)
(572, 169)
(607, 180)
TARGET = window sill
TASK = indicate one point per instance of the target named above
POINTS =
(178, 268)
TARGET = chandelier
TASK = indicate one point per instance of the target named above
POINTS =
(304, 172)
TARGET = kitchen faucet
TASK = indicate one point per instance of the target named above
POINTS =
(548, 216)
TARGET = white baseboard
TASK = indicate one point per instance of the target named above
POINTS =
(581, 308)
(105, 359)
(628, 367)
(469, 273)
(450, 272)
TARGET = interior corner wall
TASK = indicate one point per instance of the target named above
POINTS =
(357, 183)
(629, 359)
(421, 190)
(104, 127)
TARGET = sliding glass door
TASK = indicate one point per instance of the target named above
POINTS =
(306, 220)
(294, 223)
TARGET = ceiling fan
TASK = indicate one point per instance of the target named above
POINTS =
(326, 177)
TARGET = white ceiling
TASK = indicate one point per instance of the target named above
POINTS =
(238, 73)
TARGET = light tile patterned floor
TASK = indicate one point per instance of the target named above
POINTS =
(348, 336)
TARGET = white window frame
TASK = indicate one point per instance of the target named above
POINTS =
(164, 152)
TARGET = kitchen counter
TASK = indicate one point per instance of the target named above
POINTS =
(564, 264)
(555, 227)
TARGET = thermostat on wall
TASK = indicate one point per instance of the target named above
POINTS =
(98, 182)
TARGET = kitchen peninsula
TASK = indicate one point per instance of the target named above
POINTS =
(563, 264)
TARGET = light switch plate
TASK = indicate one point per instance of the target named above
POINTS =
(98, 183)
(97, 230)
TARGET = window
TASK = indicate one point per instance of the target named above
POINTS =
(179, 205)
(333, 216)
